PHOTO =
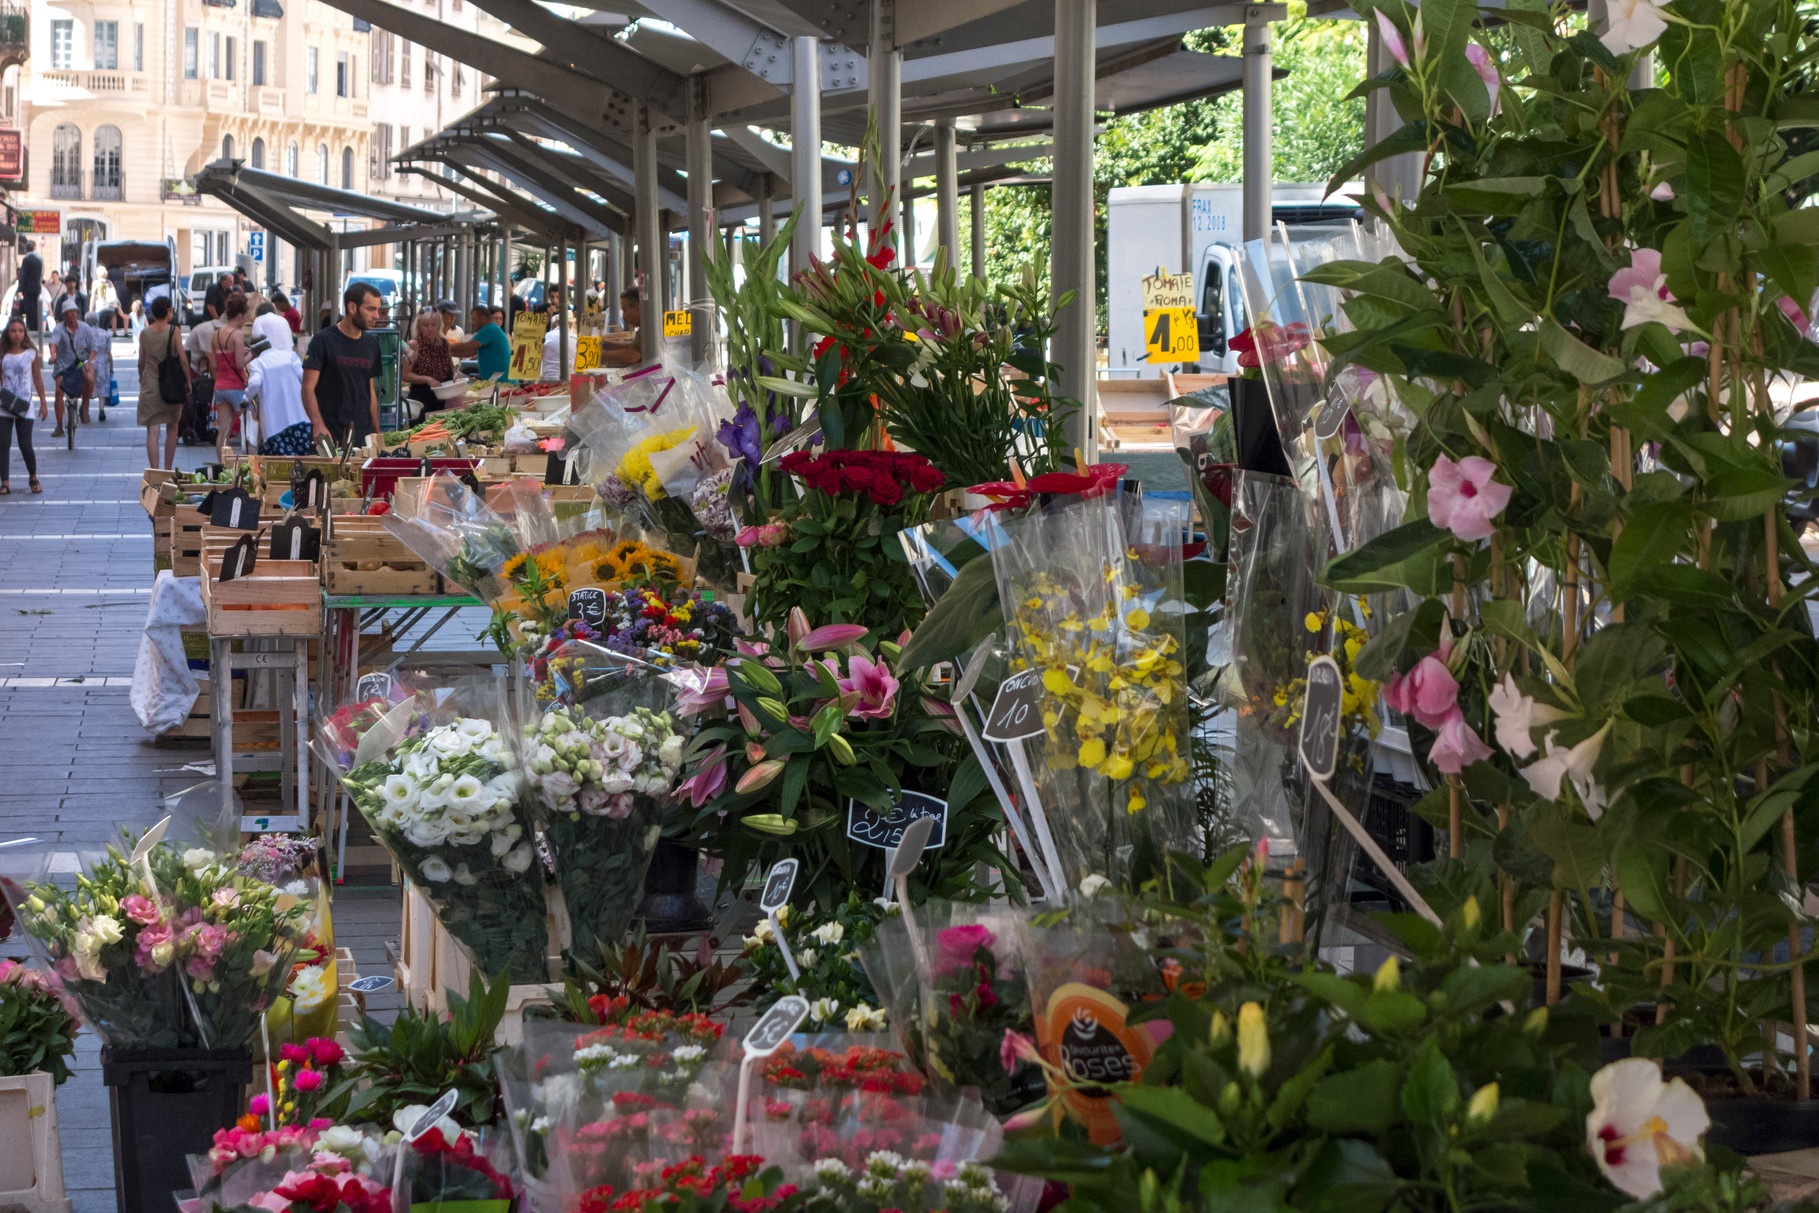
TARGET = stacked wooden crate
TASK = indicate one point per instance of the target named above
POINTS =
(278, 598)
(360, 557)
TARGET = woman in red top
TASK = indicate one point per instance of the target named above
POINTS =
(427, 362)
(281, 303)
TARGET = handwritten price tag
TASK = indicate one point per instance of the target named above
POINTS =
(1016, 709)
(1320, 717)
(871, 828)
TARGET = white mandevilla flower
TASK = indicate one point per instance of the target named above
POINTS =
(1545, 774)
(1631, 25)
(1639, 1124)
(1516, 714)
(829, 933)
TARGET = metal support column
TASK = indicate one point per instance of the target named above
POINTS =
(700, 155)
(1071, 269)
(767, 203)
(1259, 167)
(505, 271)
(614, 317)
(651, 247)
(947, 193)
(979, 232)
(884, 85)
(805, 148)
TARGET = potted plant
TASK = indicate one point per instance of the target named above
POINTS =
(37, 1037)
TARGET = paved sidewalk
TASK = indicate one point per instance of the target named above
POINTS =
(77, 562)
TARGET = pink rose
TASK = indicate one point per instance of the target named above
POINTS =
(1463, 498)
(958, 947)
(139, 909)
(1428, 692)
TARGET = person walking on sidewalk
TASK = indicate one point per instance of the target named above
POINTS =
(227, 363)
(73, 344)
(31, 288)
(20, 379)
(275, 383)
(157, 342)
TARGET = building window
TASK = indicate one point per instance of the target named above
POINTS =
(258, 65)
(107, 162)
(382, 56)
(290, 159)
(192, 42)
(138, 46)
(347, 168)
(227, 147)
(63, 44)
(454, 80)
(309, 69)
(379, 152)
(322, 164)
(258, 152)
(66, 161)
(232, 53)
(429, 70)
(107, 46)
(404, 64)
(214, 55)
(341, 80)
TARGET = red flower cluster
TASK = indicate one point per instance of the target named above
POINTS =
(463, 1152)
(884, 476)
(624, 1022)
(1272, 343)
(691, 1177)
(326, 1193)
(1098, 480)
(860, 1067)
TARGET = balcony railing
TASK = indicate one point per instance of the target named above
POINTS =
(15, 30)
(66, 189)
(108, 193)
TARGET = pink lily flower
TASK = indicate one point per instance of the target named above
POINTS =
(831, 636)
(876, 688)
(708, 781)
(710, 694)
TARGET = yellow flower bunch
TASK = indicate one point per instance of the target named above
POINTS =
(634, 560)
(635, 468)
(1359, 700)
(1114, 690)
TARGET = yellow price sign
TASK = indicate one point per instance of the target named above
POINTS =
(587, 353)
(1171, 334)
(527, 346)
(678, 324)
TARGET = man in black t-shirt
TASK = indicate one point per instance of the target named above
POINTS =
(31, 286)
(341, 370)
(214, 300)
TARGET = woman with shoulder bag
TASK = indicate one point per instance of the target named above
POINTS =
(164, 383)
(19, 379)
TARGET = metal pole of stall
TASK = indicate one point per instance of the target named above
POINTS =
(700, 155)
(884, 84)
(767, 207)
(979, 232)
(1259, 170)
(666, 220)
(614, 317)
(562, 312)
(651, 250)
(947, 192)
(505, 270)
(1073, 346)
(805, 148)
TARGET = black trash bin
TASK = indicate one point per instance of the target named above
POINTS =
(165, 1104)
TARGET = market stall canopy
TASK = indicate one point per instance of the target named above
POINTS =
(277, 203)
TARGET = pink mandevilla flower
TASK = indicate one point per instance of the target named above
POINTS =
(1486, 67)
(1457, 746)
(1428, 692)
(1392, 38)
(1463, 498)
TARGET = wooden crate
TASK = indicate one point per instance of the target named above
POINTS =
(31, 1169)
(152, 497)
(181, 532)
(278, 598)
(359, 556)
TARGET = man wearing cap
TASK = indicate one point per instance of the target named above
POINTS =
(451, 321)
(73, 342)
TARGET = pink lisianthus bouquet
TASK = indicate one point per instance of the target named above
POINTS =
(37, 1032)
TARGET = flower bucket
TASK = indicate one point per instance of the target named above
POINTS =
(670, 904)
(166, 1104)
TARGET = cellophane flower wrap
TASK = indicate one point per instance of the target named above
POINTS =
(827, 945)
(315, 1168)
(595, 1095)
(307, 1007)
(440, 784)
(1100, 613)
(464, 1171)
(37, 1031)
(654, 621)
(457, 534)
(954, 981)
(190, 954)
(834, 551)
(600, 760)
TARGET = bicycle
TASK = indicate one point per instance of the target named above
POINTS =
(72, 408)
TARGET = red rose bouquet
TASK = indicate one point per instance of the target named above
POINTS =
(834, 551)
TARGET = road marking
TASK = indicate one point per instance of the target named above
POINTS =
(146, 589)
(109, 535)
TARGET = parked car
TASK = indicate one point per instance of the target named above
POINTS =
(133, 269)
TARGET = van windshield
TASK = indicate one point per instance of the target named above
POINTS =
(385, 286)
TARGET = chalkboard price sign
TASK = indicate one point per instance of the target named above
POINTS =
(1331, 417)
(769, 1033)
(588, 604)
(1017, 708)
(1320, 717)
(777, 885)
(866, 825)
(369, 985)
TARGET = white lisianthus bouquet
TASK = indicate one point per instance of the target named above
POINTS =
(445, 803)
(599, 784)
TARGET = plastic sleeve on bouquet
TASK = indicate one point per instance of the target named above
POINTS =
(1102, 621)
(454, 531)
(443, 798)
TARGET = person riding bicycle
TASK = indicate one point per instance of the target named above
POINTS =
(72, 343)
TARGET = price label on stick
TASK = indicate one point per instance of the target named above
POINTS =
(587, 353)
(1017, 708)
(871, 828)
(588, 604)
(1320, 717)
(445, 1103)
(777, 885)
(775, 1026)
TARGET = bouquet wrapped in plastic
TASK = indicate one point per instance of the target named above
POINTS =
(600, 760)
(1099, 613)
(953, 979)
(439, 782)
(293, 863)
(290, 1169)
(456, 532)
(463, 1171)
(178, 949)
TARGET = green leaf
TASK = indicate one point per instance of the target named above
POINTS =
(1355, 1101)
(1430, 1094)
(1651, 537)
(1390, 561)
(968, 781)
(1175, 1107)
(1575, 357)
(1410, 138)
(1495, 195)
(1347, 995)
(1392, 1011)
(1344, 1175)
(1647, 411)
(1510, 310)
(787, 387)
(1641, 874)
(1737, 493)
(1715, 186)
